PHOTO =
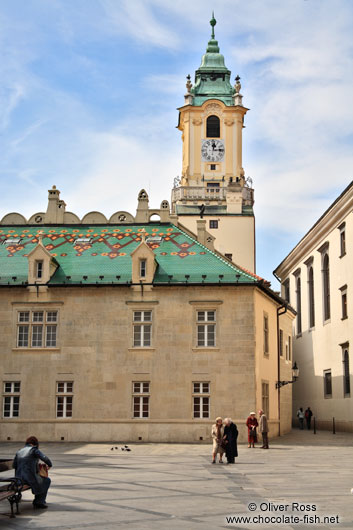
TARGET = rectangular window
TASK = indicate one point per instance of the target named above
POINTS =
(201, 400)
(289, 348)
(213, 224)
(140, 399)
(206, 328)
(342, 229)
(266, 398)
(281, 342)
(213, 167)
(229, 256)
(142, 329)
(39, 269)
(344, 302)
(11, 399)
(64, 399)
(143, 268)
(286, 291)
(266, 333)
(37, 329)
(327, 384)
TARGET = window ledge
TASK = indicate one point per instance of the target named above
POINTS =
(344, 318)
(298, 335)
(141, 348)
(328, 321)
(205, 348)
(342, 255)
(35, 350)
(311, 329)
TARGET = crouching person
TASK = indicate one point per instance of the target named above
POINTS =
(26, 464)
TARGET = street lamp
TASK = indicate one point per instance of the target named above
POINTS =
(295, 375)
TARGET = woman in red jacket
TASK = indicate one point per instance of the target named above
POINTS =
(252, 424)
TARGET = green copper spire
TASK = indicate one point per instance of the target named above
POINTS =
(212, 79)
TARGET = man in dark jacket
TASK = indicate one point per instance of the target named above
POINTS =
(230, 437)
(27, 469)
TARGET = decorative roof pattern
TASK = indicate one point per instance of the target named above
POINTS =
(101, 255)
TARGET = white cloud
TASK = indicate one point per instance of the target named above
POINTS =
(138, 20)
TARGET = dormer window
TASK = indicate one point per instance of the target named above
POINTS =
(213, 128)
(39, 269)
(14, 241)
(143, 268)
(83, 241)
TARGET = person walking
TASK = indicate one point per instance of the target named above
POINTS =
(308, 415)
(300, 415)
(26, 464)
(252, 424)
(263, 428)
(230, 438)
(218, 442)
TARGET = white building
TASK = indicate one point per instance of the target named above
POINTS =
(316, 279)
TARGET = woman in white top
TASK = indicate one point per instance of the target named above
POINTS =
(217, 436)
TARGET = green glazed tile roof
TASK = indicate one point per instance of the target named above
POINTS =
(106, 258)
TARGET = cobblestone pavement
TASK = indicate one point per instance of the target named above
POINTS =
(170, 486)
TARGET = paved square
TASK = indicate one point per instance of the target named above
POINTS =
(161, 486)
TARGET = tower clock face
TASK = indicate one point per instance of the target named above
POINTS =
(212, 150)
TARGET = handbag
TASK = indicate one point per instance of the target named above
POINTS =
(43, 470)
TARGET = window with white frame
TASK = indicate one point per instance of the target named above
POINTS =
(11, 399)
(346, 374)
(281, 342)
(64, 399)
(344, 302)
(201, 399)
(327, 384)
(142, 329)
(266, 398)
(266, 334)
(143, 268)
(141, 399)
(342, 229)
(326, 285)
(206, 328)
(289, 349)
(39, 269)
(286, 290)
(37, 329)
(311, 297)
(298, 293)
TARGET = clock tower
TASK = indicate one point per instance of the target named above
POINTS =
(212, 184)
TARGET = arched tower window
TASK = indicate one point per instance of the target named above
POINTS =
(213, 128)
(311, 298)
(346, 377)
(326, 286)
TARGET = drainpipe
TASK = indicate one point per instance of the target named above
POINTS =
(279, 313)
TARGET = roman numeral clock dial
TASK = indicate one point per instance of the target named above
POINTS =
(212, 150)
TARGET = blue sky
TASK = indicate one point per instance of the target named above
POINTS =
(89, 91)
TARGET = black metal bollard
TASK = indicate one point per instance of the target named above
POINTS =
(314, 425)
(333, 426)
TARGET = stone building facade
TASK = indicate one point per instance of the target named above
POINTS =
(131, 331)
(317, 278)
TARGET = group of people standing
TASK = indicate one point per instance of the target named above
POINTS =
(307, 415)
(225, 436)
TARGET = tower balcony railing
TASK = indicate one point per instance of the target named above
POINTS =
(200, 193)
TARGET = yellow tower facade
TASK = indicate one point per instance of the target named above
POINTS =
(213, 184)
